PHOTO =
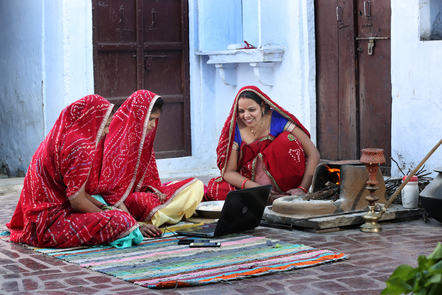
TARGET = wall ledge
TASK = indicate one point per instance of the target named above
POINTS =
(256, 55)
(261, 60)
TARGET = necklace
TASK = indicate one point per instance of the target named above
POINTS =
(253, 131)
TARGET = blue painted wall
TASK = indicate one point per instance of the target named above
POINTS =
(21, 103)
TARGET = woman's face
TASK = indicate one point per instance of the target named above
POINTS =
(153, 120)
(106, 127)
(249, 112)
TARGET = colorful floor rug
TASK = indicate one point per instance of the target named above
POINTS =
(162, 263)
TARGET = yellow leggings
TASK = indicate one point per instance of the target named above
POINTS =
(183, 204)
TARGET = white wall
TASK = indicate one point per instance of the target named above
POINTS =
(294, 77)
(46, 63)
(68, 54)
(50, 56)
(202, 113)
(416, 79)
(211, 99)
(21, 105)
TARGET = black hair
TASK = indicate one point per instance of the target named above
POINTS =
(255, 97)
(158, 105)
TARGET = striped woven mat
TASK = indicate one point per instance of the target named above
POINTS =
(162, 263)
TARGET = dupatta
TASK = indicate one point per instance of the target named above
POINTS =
(128, 157)
(60, 167)
(129, 171)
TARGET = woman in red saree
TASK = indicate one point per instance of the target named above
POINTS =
(77, 159)
(261, 143)
(55, 208)
(129, 176)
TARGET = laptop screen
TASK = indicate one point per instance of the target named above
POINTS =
(242, 210)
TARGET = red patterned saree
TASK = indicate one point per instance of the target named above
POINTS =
(60, 167)
(129, 172)
(281, 157)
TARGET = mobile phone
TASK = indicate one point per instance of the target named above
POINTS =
(206, 244)
(189, 241)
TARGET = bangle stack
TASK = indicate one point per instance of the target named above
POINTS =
(243, 184)
(303, 189)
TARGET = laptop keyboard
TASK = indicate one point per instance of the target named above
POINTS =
(205, 228)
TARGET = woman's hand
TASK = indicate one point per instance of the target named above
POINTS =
(273, 196)
(82, 202)
(296, 192)
(150, 230)
(312, 160)
(162, 197)
(123, 207)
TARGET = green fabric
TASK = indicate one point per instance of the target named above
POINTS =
(5, 234)
(100, 199)
(132, 239)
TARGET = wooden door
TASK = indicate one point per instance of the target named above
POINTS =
(373, 52)
(143, 44)
(353, 84)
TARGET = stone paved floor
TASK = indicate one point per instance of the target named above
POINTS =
(372, 258)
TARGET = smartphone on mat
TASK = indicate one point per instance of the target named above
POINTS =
(206, 244)
(189, 241)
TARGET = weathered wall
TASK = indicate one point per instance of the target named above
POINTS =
(46, 63)
(21, 102)
(416, 89)
(49, 62)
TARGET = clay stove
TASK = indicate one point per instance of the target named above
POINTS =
(347, 209)
(349, 177)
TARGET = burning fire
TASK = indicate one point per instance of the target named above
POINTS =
(335, 171)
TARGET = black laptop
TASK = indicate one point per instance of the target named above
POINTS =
(242, 210)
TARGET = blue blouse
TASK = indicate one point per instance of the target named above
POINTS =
(277, 125)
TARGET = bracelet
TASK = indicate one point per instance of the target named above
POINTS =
(303, 189)
(243, 184)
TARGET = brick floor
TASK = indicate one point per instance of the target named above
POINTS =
(372, 258)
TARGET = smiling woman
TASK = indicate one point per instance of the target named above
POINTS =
(261, 144)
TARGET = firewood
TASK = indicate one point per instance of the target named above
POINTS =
(330, 192)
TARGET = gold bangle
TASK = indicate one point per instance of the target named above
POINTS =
(243, 184)
(303, 189)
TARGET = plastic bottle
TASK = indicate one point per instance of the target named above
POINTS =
(410, 193)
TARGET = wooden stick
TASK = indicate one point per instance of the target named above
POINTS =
(411, 174)
(330, 191)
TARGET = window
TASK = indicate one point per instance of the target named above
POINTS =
(225, 25)
(430, 19)
(228, 23)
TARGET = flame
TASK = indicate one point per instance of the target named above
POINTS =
(336, 171)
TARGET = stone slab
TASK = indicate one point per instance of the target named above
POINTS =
(336, 221)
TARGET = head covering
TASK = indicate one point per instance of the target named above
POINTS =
(69, 149)
(59, 168)
(128, 158)
(228, 132)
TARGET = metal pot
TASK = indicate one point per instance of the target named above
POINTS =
(431, 197)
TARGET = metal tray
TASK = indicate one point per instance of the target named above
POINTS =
(211, 209)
